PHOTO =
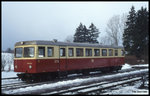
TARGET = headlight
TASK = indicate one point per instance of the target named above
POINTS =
(30, 66)
(16, 66)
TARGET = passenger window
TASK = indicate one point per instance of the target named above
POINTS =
(79, 51)
(116, 52)
(70, 52)
(50, 51)
(110, 52)
(41, 51)
(29, 52)
(104, 52)
(88, 52)
(62, 52)
(96, 52)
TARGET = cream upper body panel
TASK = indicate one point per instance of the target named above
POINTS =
(56, 51)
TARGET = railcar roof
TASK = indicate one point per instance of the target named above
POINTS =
(58, 43)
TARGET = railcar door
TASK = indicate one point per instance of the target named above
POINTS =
(62, 58)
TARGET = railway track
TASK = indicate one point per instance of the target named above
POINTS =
(87, 89)
(93, 87)
(77, 89)
(24, 84)
(10, 78)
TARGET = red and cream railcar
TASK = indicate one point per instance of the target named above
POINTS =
(37, 58)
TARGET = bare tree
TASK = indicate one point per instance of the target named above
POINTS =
(3, 63)
(69, 38)
(115, 28)
(105, 40)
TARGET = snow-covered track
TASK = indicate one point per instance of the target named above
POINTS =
(101, 85)
(85, 83)
(21, 85)
(92, 87)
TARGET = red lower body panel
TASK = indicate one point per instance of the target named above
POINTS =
(53, 65)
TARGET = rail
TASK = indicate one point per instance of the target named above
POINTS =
(9, 78)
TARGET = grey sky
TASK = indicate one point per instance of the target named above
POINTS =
(23, 21)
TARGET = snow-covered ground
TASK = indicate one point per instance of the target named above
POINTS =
(8, 74)
(122, 90)
(132, 90)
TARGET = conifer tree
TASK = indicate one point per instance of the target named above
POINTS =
(93, 34)
(129, 31)
(86, 35)
(141, 37)
(136, 38)
(78, 35)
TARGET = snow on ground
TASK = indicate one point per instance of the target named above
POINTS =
(68, 82)
(126, 66)
(127, 89)
(8, 74)
(140, 65)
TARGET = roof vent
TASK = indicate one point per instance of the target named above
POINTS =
(22, 43)
(54, 40)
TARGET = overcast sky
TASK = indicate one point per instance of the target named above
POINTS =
(23, 21)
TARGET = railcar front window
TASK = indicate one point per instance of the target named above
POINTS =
(18, 52)
(41, 51)
(29, 52)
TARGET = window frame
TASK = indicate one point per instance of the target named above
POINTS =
(109, 52)
(64, 52)
(21, 53)
(52, 51)
(81, 54)
(72, 52)
(103, 51)
(98, 52)
(88, 52)
(116, 50)
(28, 56)
(44, 55)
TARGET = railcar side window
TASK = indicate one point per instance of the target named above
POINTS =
(79, 51)
(110, 52)
(88, 52)
(96, 52)
(29, 52)
(18, 52)
(104, 52)
(70, 52)
(41, 51)
(50, 51)
(116, 52)
(62, 52)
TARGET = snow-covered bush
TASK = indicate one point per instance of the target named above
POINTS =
(7, 61)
